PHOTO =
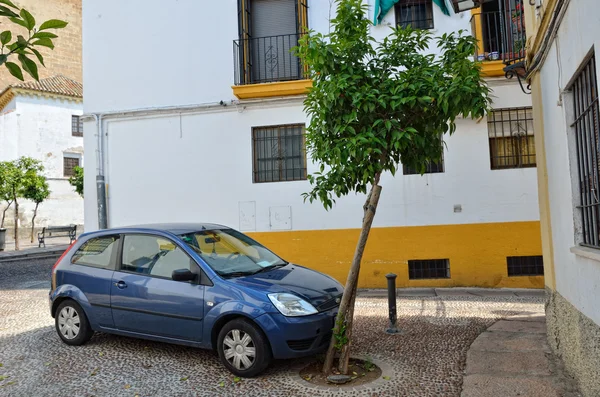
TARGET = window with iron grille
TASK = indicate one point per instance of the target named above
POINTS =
(525, 265)
(512, 144)
(428, 268)
(585, 127)
(417, 14)
(432, 167)
(279, 153)
(69, 164)
(76, 126)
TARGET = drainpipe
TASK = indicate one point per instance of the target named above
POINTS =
(100, 182)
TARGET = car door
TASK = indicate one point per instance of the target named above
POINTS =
(92, 271)
(144, 297)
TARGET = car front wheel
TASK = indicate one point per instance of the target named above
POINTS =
(71, 324)
(243, 348)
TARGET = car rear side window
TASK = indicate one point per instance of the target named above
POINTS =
(153, 256)
(96, 252)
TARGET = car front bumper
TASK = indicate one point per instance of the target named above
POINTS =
(292, 337)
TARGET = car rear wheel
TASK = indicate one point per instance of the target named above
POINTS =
(71, 324)
(243, 348)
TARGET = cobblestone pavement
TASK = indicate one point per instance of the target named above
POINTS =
(427, 359)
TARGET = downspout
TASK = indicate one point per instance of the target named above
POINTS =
(100, 181)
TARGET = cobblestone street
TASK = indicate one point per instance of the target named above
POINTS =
(427, 359)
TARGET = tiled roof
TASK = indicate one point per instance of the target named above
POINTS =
(58, 84)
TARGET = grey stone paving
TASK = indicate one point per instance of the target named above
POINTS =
(427, 359)
(512, 358)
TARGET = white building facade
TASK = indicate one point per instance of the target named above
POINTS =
(562, 65)
(42, 120)
(214, 134)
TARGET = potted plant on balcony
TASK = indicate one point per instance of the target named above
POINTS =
(517, 18)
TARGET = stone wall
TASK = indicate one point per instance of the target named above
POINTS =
(576, 340)
(65, 59)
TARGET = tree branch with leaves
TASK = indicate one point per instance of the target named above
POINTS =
(35, 189)
(25, 48)
(372, 106)
(77, 180)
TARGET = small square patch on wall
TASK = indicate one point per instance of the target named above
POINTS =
(247, 216)
(280, 218)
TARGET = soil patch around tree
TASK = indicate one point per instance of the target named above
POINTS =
(360, 371)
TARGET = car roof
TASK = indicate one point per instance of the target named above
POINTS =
(174, 228)
(178, 228)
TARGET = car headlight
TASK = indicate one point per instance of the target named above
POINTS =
(291, 306)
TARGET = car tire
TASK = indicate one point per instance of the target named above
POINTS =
(236, 343)
(72, 324)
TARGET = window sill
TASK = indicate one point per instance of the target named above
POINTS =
(586, 252)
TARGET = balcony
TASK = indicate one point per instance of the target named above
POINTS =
(501, 39)
(266, 67)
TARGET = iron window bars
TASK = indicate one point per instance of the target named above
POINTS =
(525, 265)
(279, 153)
(428, 269)
(512, 144)
(417, 14)
(76, 126)
(69, 164)
(585, 99)
(432, 167)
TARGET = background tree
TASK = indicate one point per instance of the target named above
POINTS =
(36, 189)
(77, 180)
(376, 104)
(4, 192)
(19, 174)
(16, 45)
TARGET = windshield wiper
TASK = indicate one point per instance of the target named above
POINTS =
(236, 274)
(266, 268)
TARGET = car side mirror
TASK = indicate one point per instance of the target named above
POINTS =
(183, 275)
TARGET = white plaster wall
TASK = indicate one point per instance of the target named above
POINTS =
(158, 172)
(41, 128)
(185, 59)
(577, 278)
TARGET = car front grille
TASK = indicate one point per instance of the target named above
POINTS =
(301, 344)
(330, 304)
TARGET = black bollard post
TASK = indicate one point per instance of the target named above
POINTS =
(391, 281)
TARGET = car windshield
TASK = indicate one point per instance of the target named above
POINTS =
(230, 253)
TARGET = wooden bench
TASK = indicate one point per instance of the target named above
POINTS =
(57, 231)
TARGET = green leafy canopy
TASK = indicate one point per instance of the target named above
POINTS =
(77, 180)
(27, 43)
(376, 104)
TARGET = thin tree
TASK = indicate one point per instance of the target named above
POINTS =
(4, 192)
(36, 189)
(372, 106)
(18, 175)
(24, 46)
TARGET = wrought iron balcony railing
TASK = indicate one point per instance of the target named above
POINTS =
(501, 36)
(266, 59)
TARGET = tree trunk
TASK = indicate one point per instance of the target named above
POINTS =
(352, 281)
(345, 353)
(33, 220)
(4, 214)
(16, 225)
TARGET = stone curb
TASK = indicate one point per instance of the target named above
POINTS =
(23, 255)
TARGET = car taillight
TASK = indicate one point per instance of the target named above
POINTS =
(57, 262)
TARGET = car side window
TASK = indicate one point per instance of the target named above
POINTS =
(96, 252)
(153, 256)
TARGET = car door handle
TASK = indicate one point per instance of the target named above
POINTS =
(121, 284)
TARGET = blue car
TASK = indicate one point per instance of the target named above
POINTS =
(201, 285)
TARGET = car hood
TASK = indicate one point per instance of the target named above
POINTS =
(317, 288)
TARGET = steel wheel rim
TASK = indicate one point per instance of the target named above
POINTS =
(239, 349)
(69, 323)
